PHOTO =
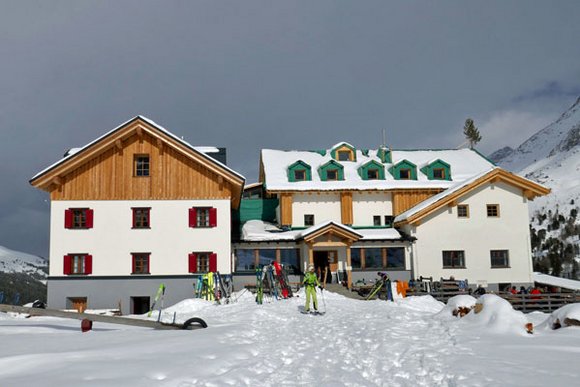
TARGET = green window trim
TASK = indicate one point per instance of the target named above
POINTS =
(299, 166)
(364, 169)
(430, 170)
(395, 170)
(330, 166)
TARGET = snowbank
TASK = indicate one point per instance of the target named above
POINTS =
(568, 315)
(455, 303)
(497, 315)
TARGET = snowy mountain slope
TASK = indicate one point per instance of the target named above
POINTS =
(542, 144)
(12, 261)
(550, 157)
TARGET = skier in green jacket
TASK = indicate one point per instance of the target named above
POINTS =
(310, 281)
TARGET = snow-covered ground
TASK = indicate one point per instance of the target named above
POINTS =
(412, 342)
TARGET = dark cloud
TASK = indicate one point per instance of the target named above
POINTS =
(261, 74)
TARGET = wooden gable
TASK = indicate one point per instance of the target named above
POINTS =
(105, 170)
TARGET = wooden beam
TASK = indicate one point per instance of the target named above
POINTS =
(452, 203)
(57, 181)
(119, 144)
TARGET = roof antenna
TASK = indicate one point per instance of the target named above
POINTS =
(384, 139)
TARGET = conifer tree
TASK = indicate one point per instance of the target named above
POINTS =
(471, 133)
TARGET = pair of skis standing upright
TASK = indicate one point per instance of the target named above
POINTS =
(276, 278)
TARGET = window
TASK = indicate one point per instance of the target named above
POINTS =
(373, 258)
(290, 258)
(372, 174)
(499, 258)
(389, 220)
(439, 173)
(454, 259)
(141, 218)
(493, 210)
(396, 258)
(463, 211)
(141, 165)
(203, 217)
(78, 264)
(332, 174)
(376, 220)
(299, 174)
(404, 174)
(344, 155)
(355, 258)
(78, 218)
(266, 256)
(202, 262)
(245, 260)
(309, 220)
(140, 263)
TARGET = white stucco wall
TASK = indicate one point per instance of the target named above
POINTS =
(365, 205)
(477, 235)
(112, 240)
(324, 207)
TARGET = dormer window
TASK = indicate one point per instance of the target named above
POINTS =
(343, 152)
(439, 173)
(344, 155)
(331, 174)
(372, 174)
(299, 171)
(404, 174)
(437, 170)
(299, 175)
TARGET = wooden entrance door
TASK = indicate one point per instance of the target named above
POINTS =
(78, 303)
(333, 261)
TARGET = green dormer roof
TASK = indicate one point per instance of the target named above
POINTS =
(398, 170)
(299, 166)
(437, 170)
(364, 169)
(329, 166)
(334, 152)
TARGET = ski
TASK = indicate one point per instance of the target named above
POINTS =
(159, 295)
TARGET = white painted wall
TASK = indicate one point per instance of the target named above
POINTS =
(477, 235)
(365, 205)
(325, 206)
(112, 240)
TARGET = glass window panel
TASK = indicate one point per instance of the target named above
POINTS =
(355, 258)
(396, 258)
(373, 258)
(245, 260)
(266, 256)
(290, 258)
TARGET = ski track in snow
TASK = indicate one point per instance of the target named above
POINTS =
(356, 343)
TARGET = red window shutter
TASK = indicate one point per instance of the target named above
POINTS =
(132, 263)
(68, 218)
(213, 217)
(193, 217)
(88, 264)
(89, 218)
(213, 262)
(133, 220)
(192, 263)
(67, 264)
(149, 264)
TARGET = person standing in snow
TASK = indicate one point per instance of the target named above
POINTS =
(310, 282)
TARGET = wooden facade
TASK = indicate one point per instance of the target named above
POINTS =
(286, 209)
(405, 199)
(106, 171)
(346, 207)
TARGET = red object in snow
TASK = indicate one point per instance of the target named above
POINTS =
(280, 276)
(86, 325)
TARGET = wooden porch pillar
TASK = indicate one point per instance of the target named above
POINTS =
(310, 254)
(348, 268)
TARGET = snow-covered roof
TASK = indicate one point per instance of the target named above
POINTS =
(556, 281)
(199, 150)
(440, 196)
(464, 163)
(482, 176)
(258, 231)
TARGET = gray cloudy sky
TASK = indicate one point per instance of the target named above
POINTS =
(278, 74)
